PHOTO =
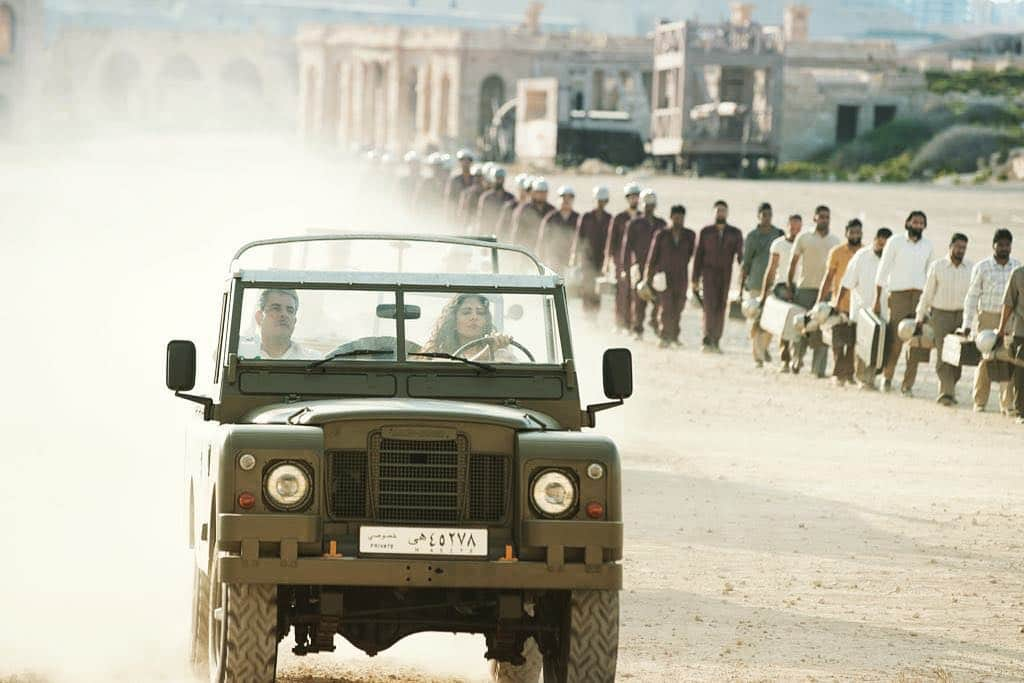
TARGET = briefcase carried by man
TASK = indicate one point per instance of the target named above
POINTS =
(959, 351)
(736, 307)
(779, 318)
(871, 343)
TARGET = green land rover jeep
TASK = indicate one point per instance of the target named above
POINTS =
(362, 467)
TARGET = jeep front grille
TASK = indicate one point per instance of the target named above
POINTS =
(409, 480)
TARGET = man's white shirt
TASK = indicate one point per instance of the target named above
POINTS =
(988, 284)
(904, 264)
(860, 280)
(249, 348)
(945, 287)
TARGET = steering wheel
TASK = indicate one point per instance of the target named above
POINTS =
(458, 351)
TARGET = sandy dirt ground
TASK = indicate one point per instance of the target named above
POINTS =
(778, 527)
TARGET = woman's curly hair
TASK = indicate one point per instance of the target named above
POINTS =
(445, 336)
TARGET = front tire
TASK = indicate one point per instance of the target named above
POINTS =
(585, 645)
(242, 631)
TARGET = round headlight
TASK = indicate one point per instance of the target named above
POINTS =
(287, 486)
(554, 493)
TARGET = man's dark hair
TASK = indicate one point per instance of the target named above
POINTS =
(916, 214)
(958, 237)
(677, 208)
(1002, 234)
(796, 217)
(883, 232)
(854, 223)
(265, 294)
(721, 202)
(821, 207)
(765, 206)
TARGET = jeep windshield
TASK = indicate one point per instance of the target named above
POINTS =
(388, 317)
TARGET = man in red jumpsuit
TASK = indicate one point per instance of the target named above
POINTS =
(503, 228)
(557, 230)
(670, 255)
(491, 203)
(720, 246)
(636, 246)
(527, 218)
(456, 184)
(613, 258)
(588, 249)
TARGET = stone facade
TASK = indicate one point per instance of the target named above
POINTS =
(399, 88)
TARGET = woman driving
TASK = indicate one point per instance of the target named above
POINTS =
(467, 317)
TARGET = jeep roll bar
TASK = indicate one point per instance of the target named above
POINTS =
(479, 242)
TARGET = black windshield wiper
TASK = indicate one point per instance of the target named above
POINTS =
(348, 354)
(448, 356)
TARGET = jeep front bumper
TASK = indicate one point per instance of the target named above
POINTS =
(246, 532)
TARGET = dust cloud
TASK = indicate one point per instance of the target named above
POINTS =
(112, 248)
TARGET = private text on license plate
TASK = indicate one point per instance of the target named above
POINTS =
(403, 540)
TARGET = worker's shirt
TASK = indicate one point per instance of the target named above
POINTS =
(591, 237)
(527, 223)
(636, 245)
(1014, 298)
(756, 254)
(945, 288)
(784, 248)
(554, 239)
(838, 261)
(613, 248)
(904, 264)
(988, 284)
(859, 278)
(670, 254)
(812, 248)
(717, 249)
(489, 210)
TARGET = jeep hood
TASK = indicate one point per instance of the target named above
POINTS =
(332, 410)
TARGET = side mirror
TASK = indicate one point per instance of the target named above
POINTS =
(390, 311)
(617, 369)
(181, 365)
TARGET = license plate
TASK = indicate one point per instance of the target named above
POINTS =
(401, 540)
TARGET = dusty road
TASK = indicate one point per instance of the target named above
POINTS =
(778, 528)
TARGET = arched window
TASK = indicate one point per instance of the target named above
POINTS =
(492, 96)
(6, 31)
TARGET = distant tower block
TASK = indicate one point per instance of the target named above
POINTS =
(794, 24)
(741, 13)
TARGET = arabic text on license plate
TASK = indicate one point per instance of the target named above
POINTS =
(401, 540)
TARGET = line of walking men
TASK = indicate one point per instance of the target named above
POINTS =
(651, 262)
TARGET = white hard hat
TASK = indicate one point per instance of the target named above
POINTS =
(905, 330)
(566, 190)
(523, 181)
(373, 155)
(446, 160)
(465, 153)
(411, 157)
(631, 187)
(750, 307)
(476, 170)
(601, 193)
(539, 184)
(986, 341)
(387, 158)
(648, 197)
(821, 312)
(434, 159)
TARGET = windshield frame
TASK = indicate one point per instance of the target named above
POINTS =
(399, 284)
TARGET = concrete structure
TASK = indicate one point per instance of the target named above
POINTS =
(739, 90)
(717, 93)
(398, 87)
